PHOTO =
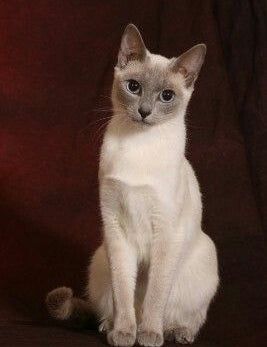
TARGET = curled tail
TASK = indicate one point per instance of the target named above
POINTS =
(62, 305)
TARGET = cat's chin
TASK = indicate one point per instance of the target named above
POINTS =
(140, 122)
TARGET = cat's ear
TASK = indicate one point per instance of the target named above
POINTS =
(189, 63)
(132, 46)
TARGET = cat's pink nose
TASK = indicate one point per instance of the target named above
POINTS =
(144, 113)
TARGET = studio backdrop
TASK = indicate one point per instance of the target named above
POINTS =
(56, 67)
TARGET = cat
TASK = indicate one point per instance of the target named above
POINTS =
(156, 272)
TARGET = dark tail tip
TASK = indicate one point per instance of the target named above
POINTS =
(59, 303)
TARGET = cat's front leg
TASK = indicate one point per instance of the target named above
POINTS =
(164, 259)
(123, 269)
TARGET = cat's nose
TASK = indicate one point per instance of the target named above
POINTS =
(144, 113)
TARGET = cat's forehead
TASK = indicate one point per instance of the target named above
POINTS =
(154, 71)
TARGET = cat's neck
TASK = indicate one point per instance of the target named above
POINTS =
(171, 133)
(139, 155)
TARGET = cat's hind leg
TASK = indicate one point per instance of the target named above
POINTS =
(185, 329)
(193, 289)
(99, 290)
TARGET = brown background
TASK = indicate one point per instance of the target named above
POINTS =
(56, 65)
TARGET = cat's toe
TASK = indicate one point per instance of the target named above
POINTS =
(150, 338)
(122, 338)
(104, 326)
(169, 335)
(184, 336)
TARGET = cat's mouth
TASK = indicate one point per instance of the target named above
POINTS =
(145, 122)
(141, 121)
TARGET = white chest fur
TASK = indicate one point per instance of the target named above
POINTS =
(150, 157)
(145, 168)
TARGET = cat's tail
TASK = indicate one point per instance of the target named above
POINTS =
(62, 305)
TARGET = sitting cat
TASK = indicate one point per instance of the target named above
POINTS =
(156, 272)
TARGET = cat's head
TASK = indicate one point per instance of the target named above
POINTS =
(150, 88)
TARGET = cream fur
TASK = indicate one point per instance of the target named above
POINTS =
(156, 271)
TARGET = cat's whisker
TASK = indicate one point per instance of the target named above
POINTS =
(99, 131)
(108, 97)
(94, 122)
(102, 110)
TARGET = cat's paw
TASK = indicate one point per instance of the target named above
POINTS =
(122, 337)
(169, 335)
(150, 338)
(180, 335)
(104, 326)
(184, 336)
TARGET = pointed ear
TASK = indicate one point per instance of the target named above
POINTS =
(132, 46)
(189, 63)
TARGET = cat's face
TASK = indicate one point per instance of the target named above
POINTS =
(149, 88)
(147, 91)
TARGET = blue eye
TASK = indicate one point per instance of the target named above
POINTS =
(167, 95)
(133, 86)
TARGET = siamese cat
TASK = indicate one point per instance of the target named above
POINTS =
(155, 274)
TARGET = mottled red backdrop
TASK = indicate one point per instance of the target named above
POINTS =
(56, 66)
